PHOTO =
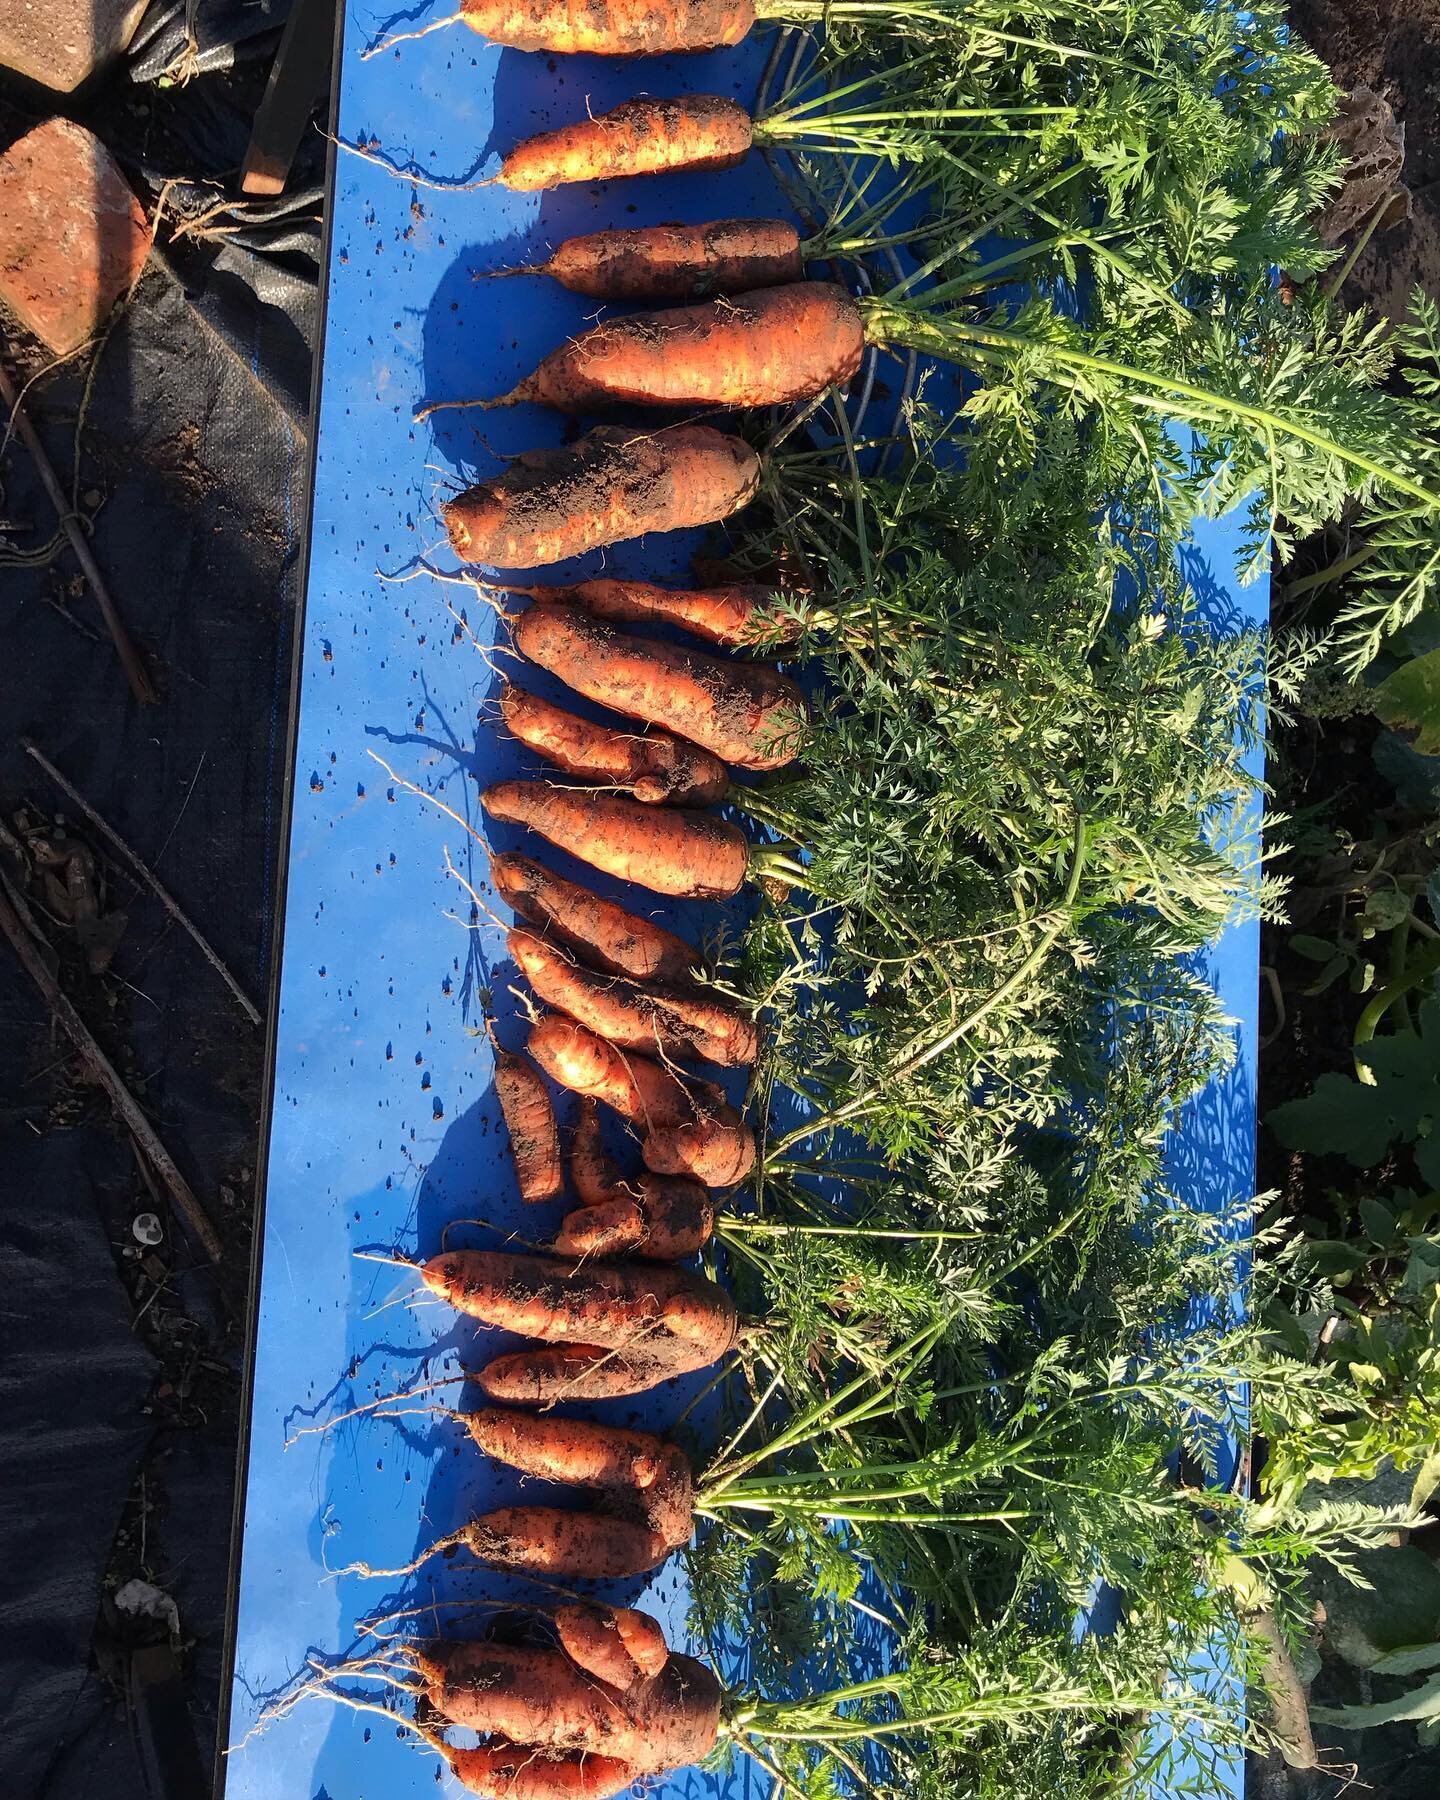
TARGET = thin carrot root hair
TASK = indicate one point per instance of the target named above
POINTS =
(481, 906)
(436, 406)
(372, 1408)
(451, 1539)
(410, 37)
(510, 1237)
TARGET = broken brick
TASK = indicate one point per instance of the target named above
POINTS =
(61, 42)
(72, 235)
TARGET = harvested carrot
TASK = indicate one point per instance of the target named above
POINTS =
(643, 1488)
(652, 766)
(578, 1451)
(637, 1088)
(546, 1540)
(618, 1645)
(613, 484)
(595, 1179)
(598, 27)
(623, 1327)
(531, 1695)
(744, 713)
(728, 615)
(765, 348)
(719, 1150)
(671, 850)
(534, 1134)
(630, 1016)
(639, 137)
(676, 262)
(670, 1220)
(499, 1770)
(601, 933)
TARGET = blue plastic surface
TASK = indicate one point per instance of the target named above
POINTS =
(385, 1125)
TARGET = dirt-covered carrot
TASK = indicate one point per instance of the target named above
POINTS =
(617, 1644)
(639, 137)
(729, 615)
(653, 766)
(533, 1695)
(744, 713)
(613, 484)
(601, 933)
(499, 1770)
(534, 1134)
(759, 349)
(675, 262)
(718, 1150)
(670, 1221)
(593, 1176)
(688, 1127)
(597, 27)
(633, 1017)
(640, 1090)
(622, 1327)
(671, 850)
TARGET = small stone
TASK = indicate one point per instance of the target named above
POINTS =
(72, 235)
(60, 42)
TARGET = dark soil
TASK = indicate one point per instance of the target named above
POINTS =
(1392, 46)
(1324, 773)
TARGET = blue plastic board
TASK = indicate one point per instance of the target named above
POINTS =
(384, 1125)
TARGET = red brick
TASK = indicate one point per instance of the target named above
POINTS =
(72, 235)
(60, 42)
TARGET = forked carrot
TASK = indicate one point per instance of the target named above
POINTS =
(652, 766)
(616, 1644)
(671, 1219)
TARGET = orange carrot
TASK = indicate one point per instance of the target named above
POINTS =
(744, 713)
(689, 1128)
(634, 1018)
(499, 1770)
(577, 1451)
(718, 1151)
(615, 483)
(728, 615)
(671, 850)
(534, 1135)
(637, 1088)
(676, 262)
(531, 1695)
(624, 1327)
(611, 27)
(546, 1540)
(765, 348)
(651, 766)
(638, 137)
(600, 932)
(595, 1179)
(671, 1220)
(618, 1645)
